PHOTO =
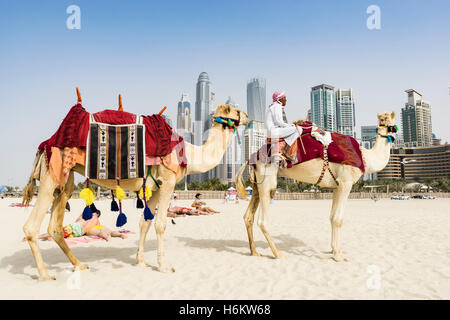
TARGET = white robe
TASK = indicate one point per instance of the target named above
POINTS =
(277, 128)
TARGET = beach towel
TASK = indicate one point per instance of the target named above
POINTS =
(87, 239)
(19, 205)
(115, 151)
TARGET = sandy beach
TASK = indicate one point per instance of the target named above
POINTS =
(396, 250)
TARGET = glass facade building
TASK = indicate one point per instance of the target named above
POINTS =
(345, 112)
(323, 109)
(256, 99)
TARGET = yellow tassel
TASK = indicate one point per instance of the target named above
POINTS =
(120, 194)
(148, 193)
(88, 196)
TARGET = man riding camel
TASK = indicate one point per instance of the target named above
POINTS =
(277, 129)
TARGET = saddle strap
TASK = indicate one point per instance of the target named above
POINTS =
(326, 166)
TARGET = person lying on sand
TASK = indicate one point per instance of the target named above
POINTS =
(104, 232)
(175, 211)
(199, 205)
(81, 227)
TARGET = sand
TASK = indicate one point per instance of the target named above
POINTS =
(396, 250)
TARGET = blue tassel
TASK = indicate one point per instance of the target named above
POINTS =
(121, 220)
(93, 208)
(114, 206)
(148, 214)
(87, 213)
(139, 203)
(389, 139)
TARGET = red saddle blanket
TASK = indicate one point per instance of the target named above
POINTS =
(344, 149)
(160, 140)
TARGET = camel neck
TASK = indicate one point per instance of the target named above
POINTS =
(204, 158)
(378, 157)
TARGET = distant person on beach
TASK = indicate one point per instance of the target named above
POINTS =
(199, 205)
(225, 197)
(175, 211)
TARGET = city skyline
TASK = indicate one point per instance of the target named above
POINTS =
(133, 49)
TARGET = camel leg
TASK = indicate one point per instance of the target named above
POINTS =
(144, 226)
(56, 222)
(340, 197)
(249, 219)
(165, 194)
(267, 190)
(33, 224)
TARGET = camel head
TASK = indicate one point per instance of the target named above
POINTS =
(229, 116)
(386, 123)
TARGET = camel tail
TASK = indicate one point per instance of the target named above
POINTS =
(28, 190)
(240, 183)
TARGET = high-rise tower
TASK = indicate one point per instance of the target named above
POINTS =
(203, 104)
(345, 112)
(416, 121)
(323, 109)
(256, 99)
(184, 118)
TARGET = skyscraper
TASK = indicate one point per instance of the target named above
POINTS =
(323, 110)
(203, 104)
(256, 99)
(345, 112)
(416, 121)
(202, 123)
(184, 118)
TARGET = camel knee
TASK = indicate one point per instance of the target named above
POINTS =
(337, 222)
(30, 229)
(30, 234)
(262, 226)
(55, 233)
(160, 227)
(249, 217)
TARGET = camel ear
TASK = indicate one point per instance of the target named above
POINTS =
(227, 109)
(379, 115)
(393, 115)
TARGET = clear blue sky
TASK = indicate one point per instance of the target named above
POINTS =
(152, 51)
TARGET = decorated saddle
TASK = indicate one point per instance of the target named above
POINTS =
(152, 134)
(342, 149)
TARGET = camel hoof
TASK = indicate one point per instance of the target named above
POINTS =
(142, 264)
(80, 267)
(278, 256)
(46, 278)
(166, 269)
(339, 258)
(255, 254)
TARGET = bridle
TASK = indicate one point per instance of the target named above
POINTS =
(229, 123)
(389, 129)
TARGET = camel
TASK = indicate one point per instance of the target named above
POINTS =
(199, 159)
(264, 183)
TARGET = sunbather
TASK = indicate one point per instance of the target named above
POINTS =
(199, 205)
(104, 232)
(175, 211)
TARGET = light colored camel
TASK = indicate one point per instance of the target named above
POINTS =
(199, 159)
(264, 183)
